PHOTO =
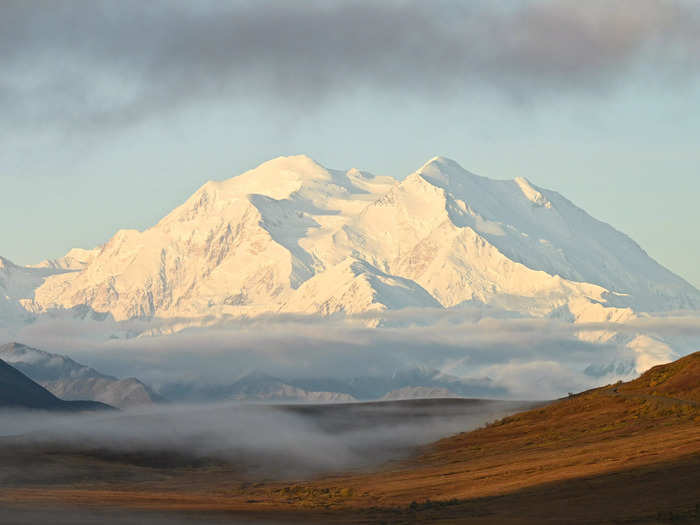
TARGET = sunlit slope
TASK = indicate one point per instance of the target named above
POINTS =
(664, 397)
(679, 381)
(629, 433)
(293, 236)
(629, 451)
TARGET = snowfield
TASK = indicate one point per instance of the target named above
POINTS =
(293, 237)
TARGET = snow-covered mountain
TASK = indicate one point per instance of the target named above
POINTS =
(292, 236)
(75, 259)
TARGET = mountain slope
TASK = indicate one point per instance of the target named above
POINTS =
(293, 236)
(233, 247)
(72, 381)
(582, 459)
(17, 288)
(18, 391)
(354, 286)
(469, 238)
(75, 259)
(544, 231)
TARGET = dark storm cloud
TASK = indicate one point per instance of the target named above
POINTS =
(115, 63)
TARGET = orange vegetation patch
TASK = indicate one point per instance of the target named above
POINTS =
(679, 380)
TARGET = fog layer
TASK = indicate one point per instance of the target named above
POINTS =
(262, 440)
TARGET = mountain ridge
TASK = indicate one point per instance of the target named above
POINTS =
(17, 391)
(72, 381)
(291, 236)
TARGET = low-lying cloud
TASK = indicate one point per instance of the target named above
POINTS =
(529, 358)
(257, 440)
(310, 346)
(111, 64)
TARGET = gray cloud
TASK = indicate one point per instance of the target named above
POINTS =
(110, 64)
(311, 347)
(528, 357)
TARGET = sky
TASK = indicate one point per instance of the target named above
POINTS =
(114, 112)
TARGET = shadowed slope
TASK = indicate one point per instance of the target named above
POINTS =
(18, 391)
(73, 381)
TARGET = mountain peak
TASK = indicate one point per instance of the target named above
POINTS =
(274, 239)
(301, 164)
(277, 178)
(75, 259)
(531, 192)
(441, 162)
(446, 173)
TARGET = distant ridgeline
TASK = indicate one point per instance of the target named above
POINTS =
(17, 391)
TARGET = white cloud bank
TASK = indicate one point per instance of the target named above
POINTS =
(530, 358)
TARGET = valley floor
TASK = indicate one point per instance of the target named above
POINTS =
(587, 485)
(625, 453)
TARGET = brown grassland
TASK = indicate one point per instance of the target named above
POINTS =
(624, 453)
